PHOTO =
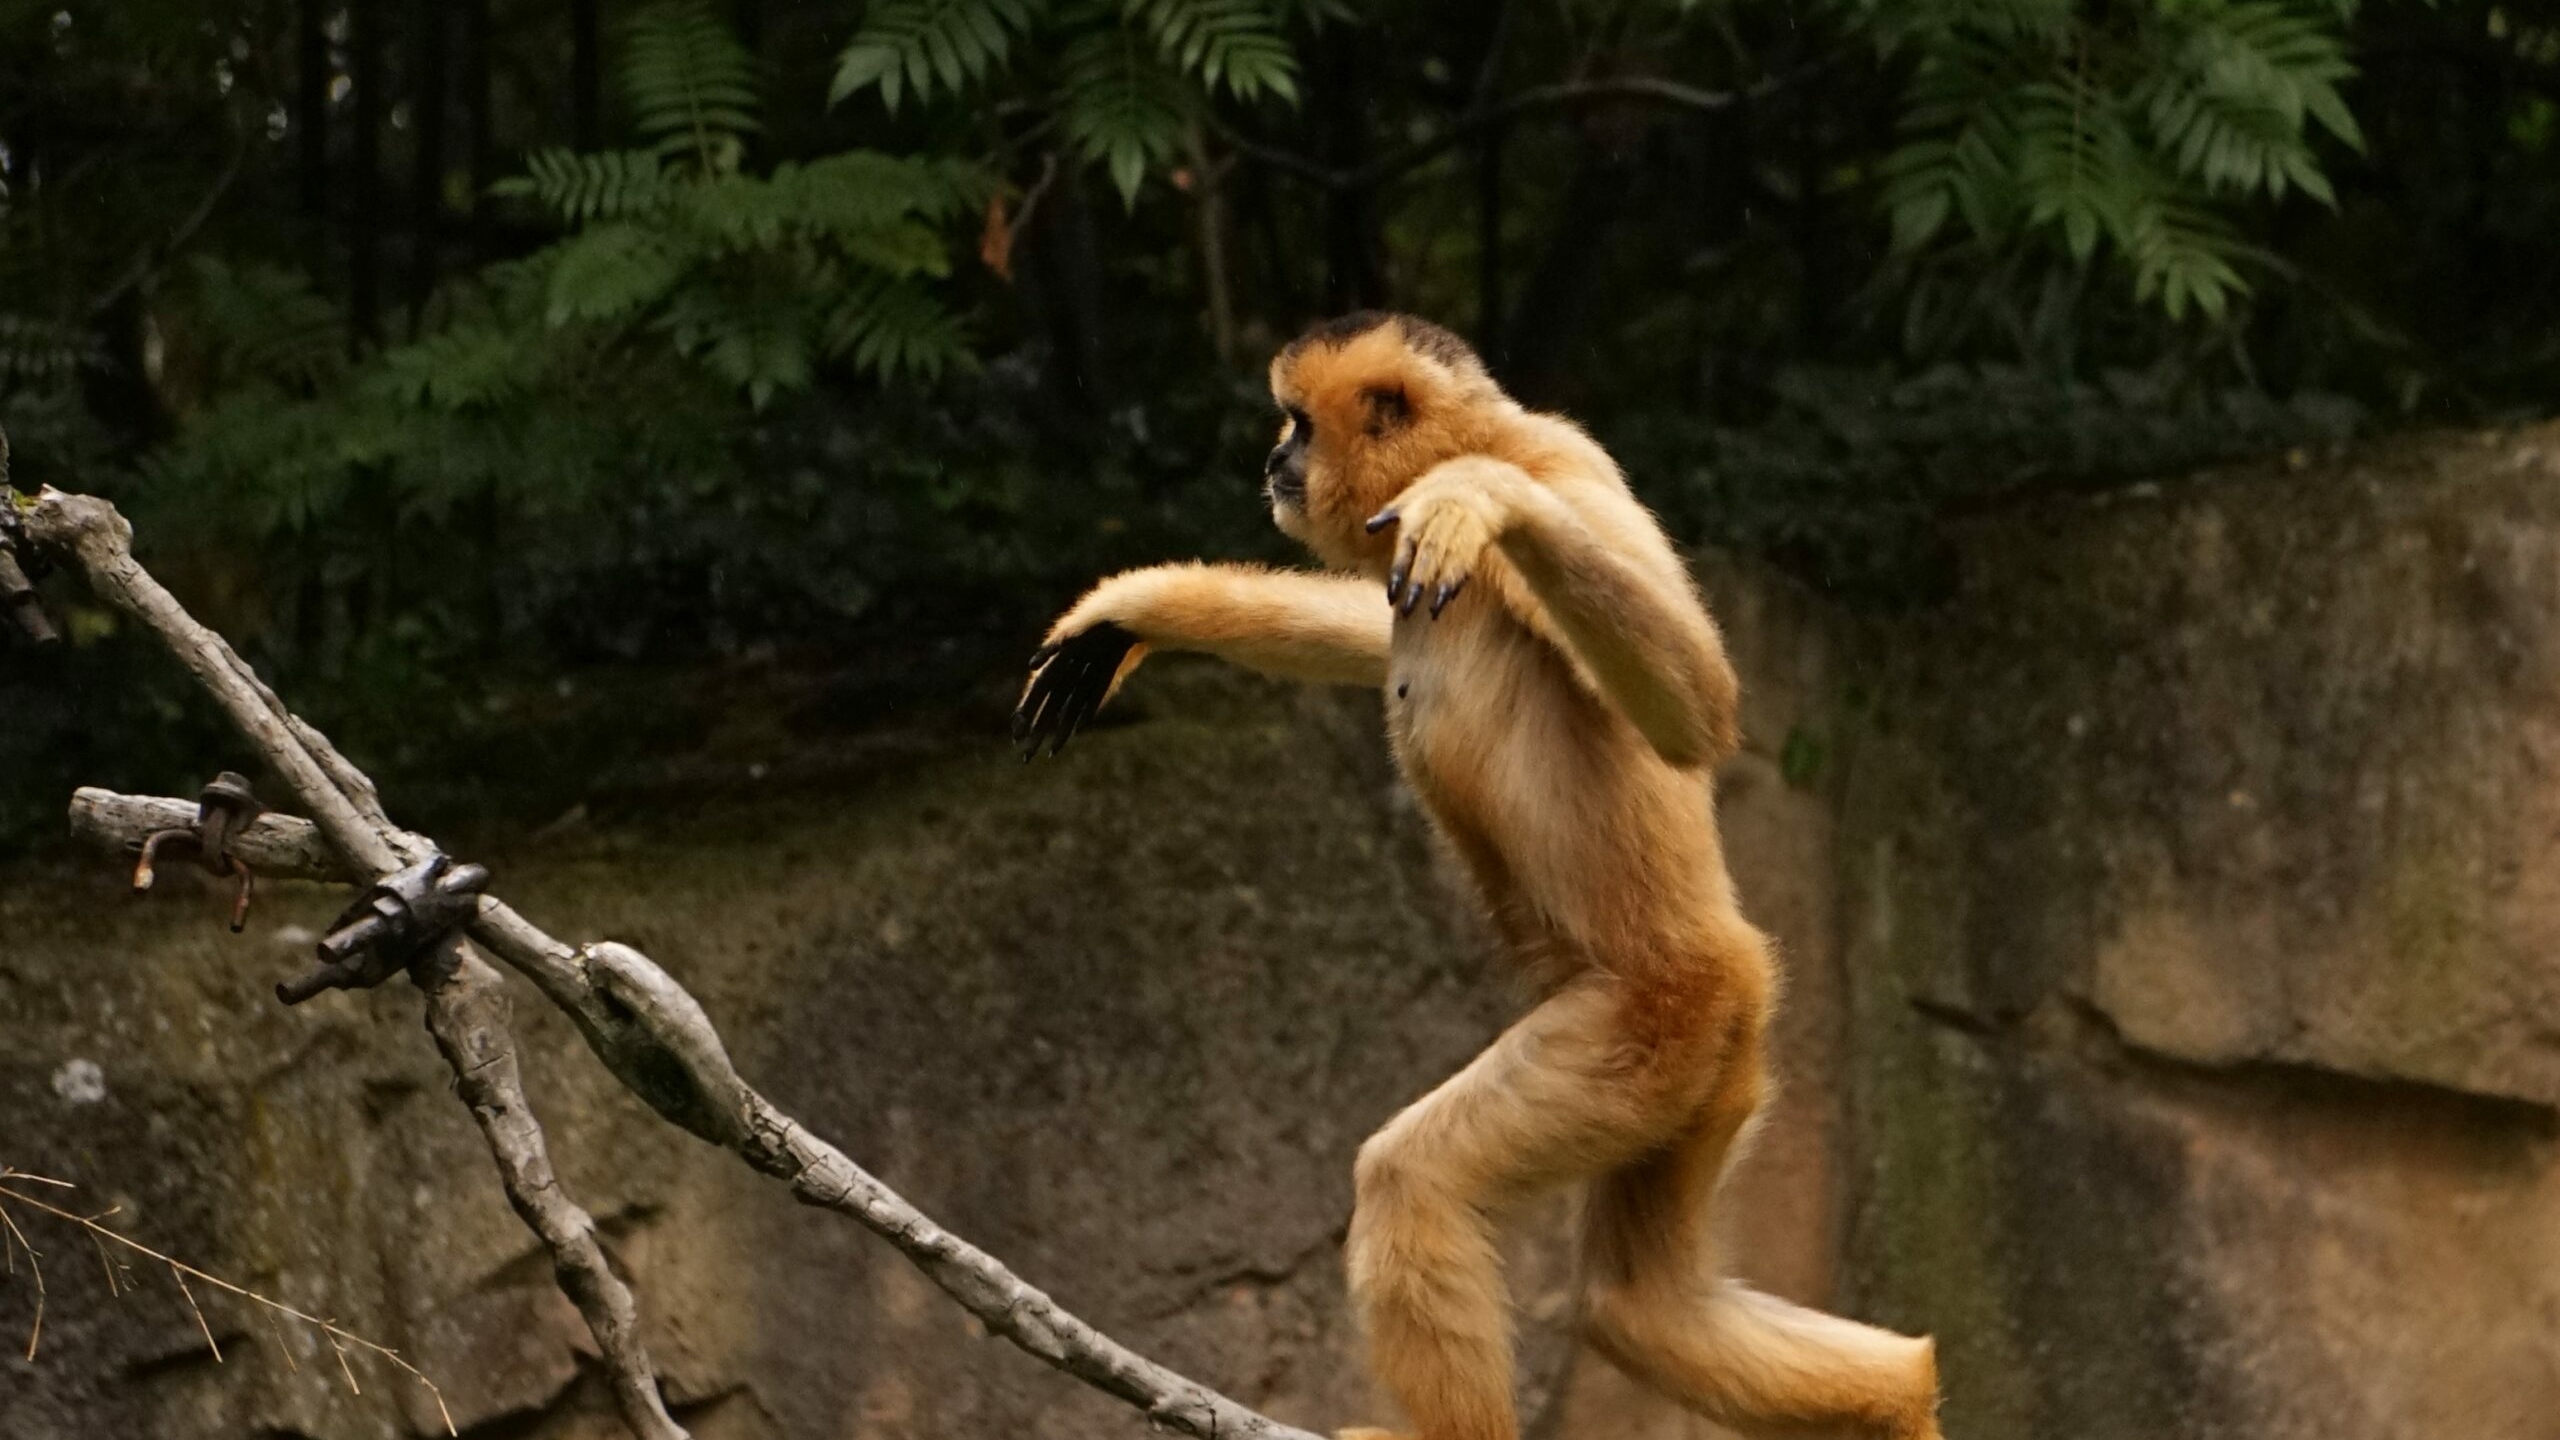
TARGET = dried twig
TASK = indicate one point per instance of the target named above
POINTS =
(647, 1028)
(180, 1270)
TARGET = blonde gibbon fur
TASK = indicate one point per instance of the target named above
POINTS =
(1557, 696)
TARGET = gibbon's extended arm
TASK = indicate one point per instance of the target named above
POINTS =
(1294, 624)
(1599, 567)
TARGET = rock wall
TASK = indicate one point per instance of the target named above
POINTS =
(2198, 866)
(2170, 947)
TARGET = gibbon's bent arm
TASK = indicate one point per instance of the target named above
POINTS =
(1292, 624)
(1644, 636)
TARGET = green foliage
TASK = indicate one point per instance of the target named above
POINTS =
(684, 284)
(1122, 106)
(751, 276)
(2050, 124)
(911, 45)
(266, 325)
(1231, 43)
(1130, 76)
(690, 83)
(1850, 473)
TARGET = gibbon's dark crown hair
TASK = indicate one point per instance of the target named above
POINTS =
(1435, 341)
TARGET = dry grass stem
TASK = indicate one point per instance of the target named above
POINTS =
(35, 1267)
(338, 1339)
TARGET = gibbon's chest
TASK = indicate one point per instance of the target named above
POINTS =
(1466, 704)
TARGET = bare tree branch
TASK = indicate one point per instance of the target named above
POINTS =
(279, 846)
(1564, 95)
(649, 1031)
(467, 1009)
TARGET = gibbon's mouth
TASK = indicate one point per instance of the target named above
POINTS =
(1286, 491)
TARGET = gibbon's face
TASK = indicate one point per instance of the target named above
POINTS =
(1365, 408)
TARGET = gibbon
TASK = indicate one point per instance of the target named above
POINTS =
(1556, 695)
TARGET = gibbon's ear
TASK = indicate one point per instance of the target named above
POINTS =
(1389, 408)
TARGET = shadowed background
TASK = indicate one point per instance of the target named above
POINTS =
(649, 436)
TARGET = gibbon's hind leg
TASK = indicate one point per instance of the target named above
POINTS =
(1560, 1096)
(1655, 1306)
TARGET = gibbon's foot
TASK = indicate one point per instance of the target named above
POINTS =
(1070, 678)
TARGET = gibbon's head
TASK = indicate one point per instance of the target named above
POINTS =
(1368, 402)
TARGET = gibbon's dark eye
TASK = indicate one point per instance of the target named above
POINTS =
(1301, 429)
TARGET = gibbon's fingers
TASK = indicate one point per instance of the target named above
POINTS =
(1058, 685)
(1445, 553)
(1396, 576)
(1448, 591)
(1072, 680)
(1036, 698)
(1091, 686)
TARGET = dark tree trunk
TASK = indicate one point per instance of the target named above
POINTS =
(311, 106)
(426, 180)
(1490, 296)
(364, 219)
(1489, 278)
(1063, 287)
(1355, 275)
(586, 75)
(476, 62)
(1281, 299)
(1556, 305)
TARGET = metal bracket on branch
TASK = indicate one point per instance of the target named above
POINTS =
(227, 807)
(397, 922)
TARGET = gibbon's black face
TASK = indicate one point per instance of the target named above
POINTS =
(1284, 475)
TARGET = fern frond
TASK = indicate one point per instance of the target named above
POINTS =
(1122, 107)
(615, 270)
(264, 322)
(914, 45)
(691, 84)
(864, 188)
(2231, 106)
(2181, 255)
(1234, 43)
(469, 367)
(892, 330)
(578, 188)
(756, 343)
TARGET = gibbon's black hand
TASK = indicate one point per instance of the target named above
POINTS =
(1068, 682)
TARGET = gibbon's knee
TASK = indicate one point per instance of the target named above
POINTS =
(1417, 1246)
(1394, 1213)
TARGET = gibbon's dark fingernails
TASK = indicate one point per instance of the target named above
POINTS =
(1440, 599)
(1395, 583)
(1412, 597)
(1381, 521)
